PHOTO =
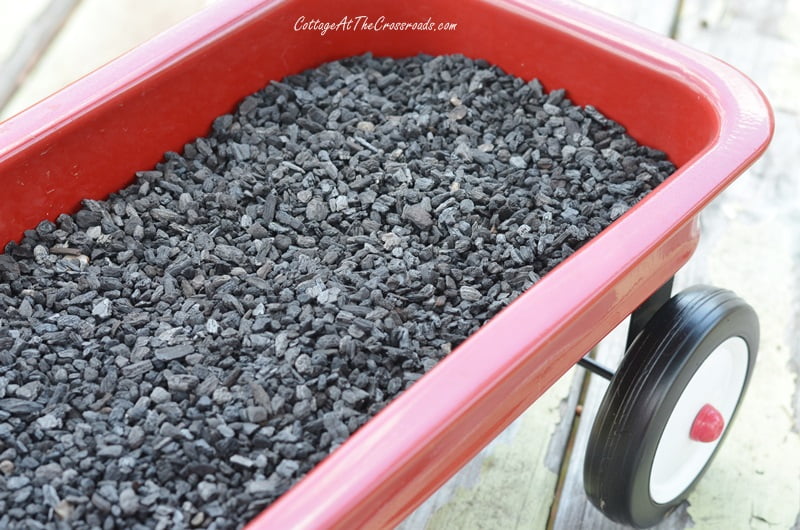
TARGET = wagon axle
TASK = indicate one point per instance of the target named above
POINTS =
(596, 368)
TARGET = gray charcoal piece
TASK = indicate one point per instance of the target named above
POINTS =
(112, 451)
(29, 391)
(207, 385)
(129, 501)
(226, 431)
(287, 468)
(260, 395)
(206, 490)
(15, 483)
(352, 396)
(256, 414)
(22, 495)
(160, 395)
(288, 220)
(469, 293)
(242, 461)
(270, 203)
(48, 472)
(316, 210)
(101, 503)
(134, 370)
(50, 495)
(517, 162)
(135, 437)
(181, 382)
(418, 214)
(25, 309)
(48, 422)
(165, 215)
(183, 352)
(229, 253)
(262, 488)
(102, 308)
(212, 326)
(17, 406)
(170, 353)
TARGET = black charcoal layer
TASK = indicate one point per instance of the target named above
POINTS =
(180, 354)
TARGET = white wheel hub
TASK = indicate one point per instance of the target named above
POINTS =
(717, 383)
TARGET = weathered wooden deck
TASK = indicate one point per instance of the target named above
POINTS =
(530, 476)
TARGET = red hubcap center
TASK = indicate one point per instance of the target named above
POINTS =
(708, 425)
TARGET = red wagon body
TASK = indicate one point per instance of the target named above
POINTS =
(90, 138)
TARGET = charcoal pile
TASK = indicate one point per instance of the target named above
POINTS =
(181, 353)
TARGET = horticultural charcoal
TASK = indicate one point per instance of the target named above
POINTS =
(182, 353)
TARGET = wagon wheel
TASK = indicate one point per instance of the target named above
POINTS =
(668, 406)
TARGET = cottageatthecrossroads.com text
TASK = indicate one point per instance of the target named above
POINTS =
(364, 23)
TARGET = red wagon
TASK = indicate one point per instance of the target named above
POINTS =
(690, 355)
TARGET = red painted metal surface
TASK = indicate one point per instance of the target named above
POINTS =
(87, 141)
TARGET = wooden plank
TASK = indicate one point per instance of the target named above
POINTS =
(657, 16)
(510, 483)
(14, 20)
(747, 246)
(96, 32)
(31, 44)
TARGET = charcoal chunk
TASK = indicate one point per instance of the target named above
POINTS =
(21, 407)
(418, 214)
(174, 352)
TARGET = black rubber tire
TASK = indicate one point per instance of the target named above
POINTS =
(640, 398)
